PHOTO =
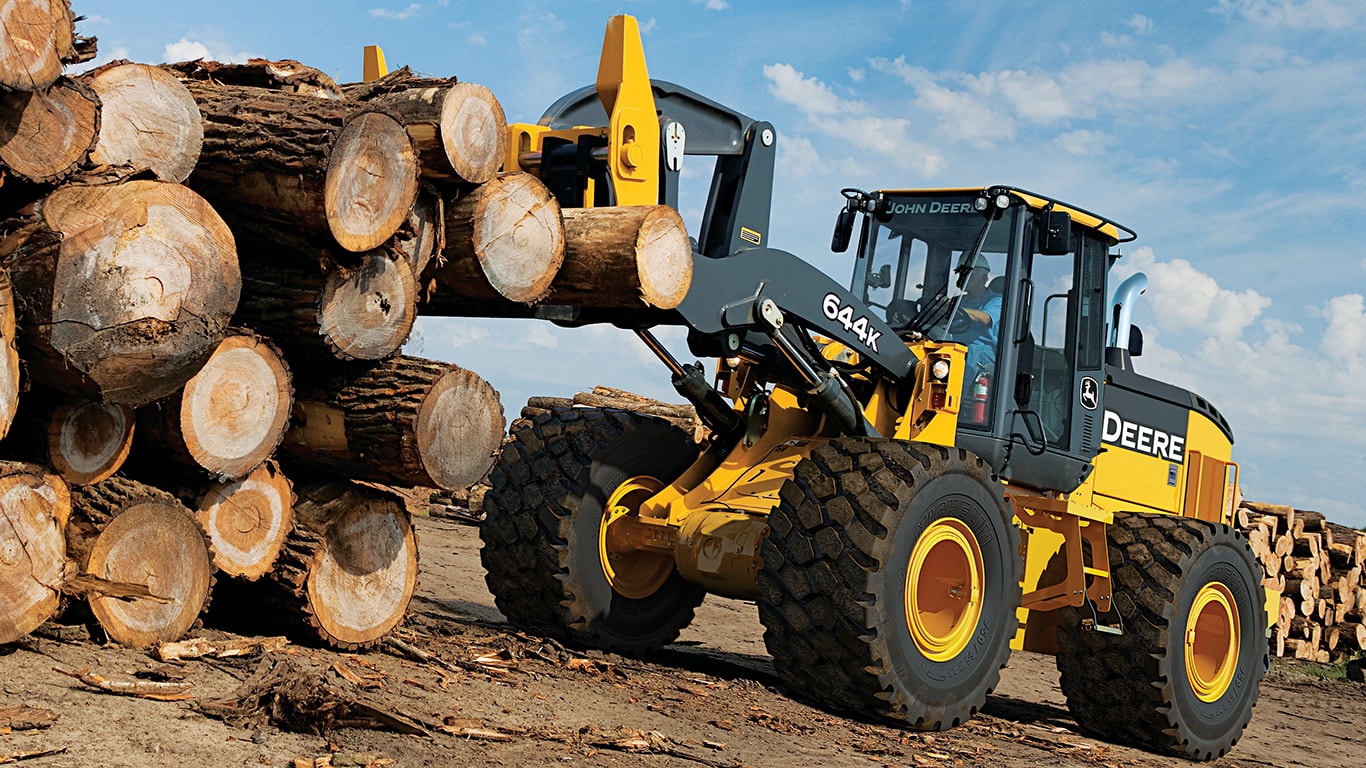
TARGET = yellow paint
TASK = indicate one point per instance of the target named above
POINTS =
(374, 67)
(1213, 637)
(944, 581)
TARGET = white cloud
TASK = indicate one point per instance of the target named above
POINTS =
(809, 95)
(1344, 342)
(1083, 143)
(1184, 298)
(403, 15)
(797, 158)
(857, 74)
(1140, 24)
(712, 5)
(476, 38)
(186, 49)
(1303, 15)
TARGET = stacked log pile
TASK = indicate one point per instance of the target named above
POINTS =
(1317, 567)
(209, 271)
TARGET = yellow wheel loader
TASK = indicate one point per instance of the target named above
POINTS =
(950, 458)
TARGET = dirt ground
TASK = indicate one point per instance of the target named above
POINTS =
(488, 696)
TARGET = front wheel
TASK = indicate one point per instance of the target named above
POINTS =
(1185, 674)
(559, 481)
(890, 581)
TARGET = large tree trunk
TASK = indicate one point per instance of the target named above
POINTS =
(284, 75)
(125, 289)
(367, 312)
(148, 121)
(405, 421)
(623, 257)
(459, 129)
(305, 162)
(38, 36)
(504, 242)
(247, 521)
(133, 535)
(34, 507)
(230, 416)
(350, 566)
(46, 135)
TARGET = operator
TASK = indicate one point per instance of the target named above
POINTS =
(977, 322)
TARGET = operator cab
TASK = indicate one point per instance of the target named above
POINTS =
(1018, 279)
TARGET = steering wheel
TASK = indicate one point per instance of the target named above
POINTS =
(961, 322)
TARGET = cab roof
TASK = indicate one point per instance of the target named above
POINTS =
(1118, 233)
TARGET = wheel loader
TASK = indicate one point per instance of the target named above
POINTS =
(951, 458)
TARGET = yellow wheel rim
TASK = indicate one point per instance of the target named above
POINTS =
(944, 589)
(1213, 637)
(632, 572)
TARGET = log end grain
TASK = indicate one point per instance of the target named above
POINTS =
(664, 261)
(516, 232)
(235, 410)
(34, 507)
(149, 121)
(372, 181)
(145, 284)
(473, 132)
(367, 313)
(157, 544)
(45, 135)
(37, 37)
(248, 520)
(88, 440)
(459, 427)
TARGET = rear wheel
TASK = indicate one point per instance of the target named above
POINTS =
(1185, 674)
(548, 564)
(890, 581)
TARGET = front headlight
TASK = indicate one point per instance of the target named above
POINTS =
(940, 370)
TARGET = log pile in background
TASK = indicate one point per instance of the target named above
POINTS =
(1317, 566)
(208, 273)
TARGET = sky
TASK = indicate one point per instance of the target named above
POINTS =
(1231, 135)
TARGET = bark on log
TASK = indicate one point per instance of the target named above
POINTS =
(459, 129)
(125, 289)
(621, 257)
(46, 135)
(89, 440)
(230, 415)
(130, 533)
(305, 162)
(38, 36)
(405, 421)
(9, 356)
(148, 121)
(34, 508)
(424, 236)
(284, 75)
(247, 521)
(351, 563)
(504, 241)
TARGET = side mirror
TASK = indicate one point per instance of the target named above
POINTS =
(1055, 233)
(1135, 341)
(844, 227)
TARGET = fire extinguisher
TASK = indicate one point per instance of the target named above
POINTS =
(979, 400)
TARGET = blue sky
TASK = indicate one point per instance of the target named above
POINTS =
(1230, 135)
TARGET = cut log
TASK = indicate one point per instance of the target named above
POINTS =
(34, 508)
(230, 415)
(47, 135)
(247, 521)
(504, 241)
(89, 440)
(459, 129)
(304, 162)
(367, 312)
(623, 257)
(9, 356)
(128, 533)
(125, 289)
(38, 36)
(350, 564)
(405, 421)
(424, 237)
(371, 181)
(148, 121)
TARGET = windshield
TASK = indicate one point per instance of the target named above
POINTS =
(928, 259)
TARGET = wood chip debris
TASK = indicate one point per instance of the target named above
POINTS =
(15, 757)
(345, 760)
(25, 718)
(142, 689)
(199, 647)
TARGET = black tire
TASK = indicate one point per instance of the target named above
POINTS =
(833, 589)
(1135, 688)
(542, 521)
